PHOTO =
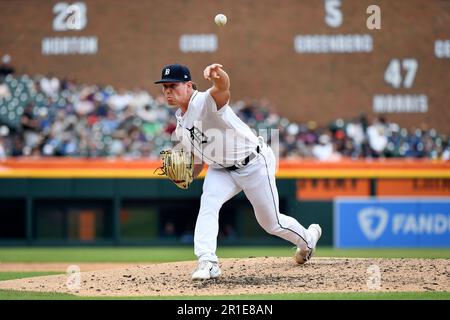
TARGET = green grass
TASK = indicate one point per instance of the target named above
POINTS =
(20, 295)
(23, 295)
(19, 275)
(166, 254)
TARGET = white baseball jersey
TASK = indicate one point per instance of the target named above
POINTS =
(217, 137)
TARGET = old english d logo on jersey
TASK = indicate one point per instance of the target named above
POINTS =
(197, 135)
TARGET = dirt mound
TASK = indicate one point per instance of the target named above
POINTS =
(253, 276)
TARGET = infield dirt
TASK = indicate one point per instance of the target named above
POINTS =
(246, 276)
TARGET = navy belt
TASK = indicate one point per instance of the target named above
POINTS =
(246, 160)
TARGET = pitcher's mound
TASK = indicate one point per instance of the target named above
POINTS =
(251, 276)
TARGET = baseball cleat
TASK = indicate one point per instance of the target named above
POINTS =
(206, 270)
(303, 254)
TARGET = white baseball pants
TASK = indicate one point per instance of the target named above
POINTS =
(257, 180)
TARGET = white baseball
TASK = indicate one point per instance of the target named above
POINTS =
(220, 19)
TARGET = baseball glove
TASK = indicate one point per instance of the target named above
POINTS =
(178, 165)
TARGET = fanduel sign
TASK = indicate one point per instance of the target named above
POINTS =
(400, 222)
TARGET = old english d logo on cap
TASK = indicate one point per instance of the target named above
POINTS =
(175, 73)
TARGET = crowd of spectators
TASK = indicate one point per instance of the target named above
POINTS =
(96, 121)
(354, 138)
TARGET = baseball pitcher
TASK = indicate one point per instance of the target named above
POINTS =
(210, 132)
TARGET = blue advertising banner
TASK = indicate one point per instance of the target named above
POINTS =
(391, 222)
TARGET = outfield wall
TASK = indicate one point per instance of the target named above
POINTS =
(116, 202)
(311, 59)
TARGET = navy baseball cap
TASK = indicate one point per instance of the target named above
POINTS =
(174, 73)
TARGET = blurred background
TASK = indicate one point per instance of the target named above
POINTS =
(356, 93)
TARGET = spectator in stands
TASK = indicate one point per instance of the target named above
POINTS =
(356, 136)
(325, 150)
(120, 100)
(5, 66)
(377, 135)
(84, 102)
(446, 152)
(50, 85)
(2, 150)
(5, 93)
(4, 131)
(31, 129)
(17, 146)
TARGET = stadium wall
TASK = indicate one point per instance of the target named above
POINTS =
(117, 202)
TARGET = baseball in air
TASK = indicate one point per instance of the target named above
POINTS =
(220, 19)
